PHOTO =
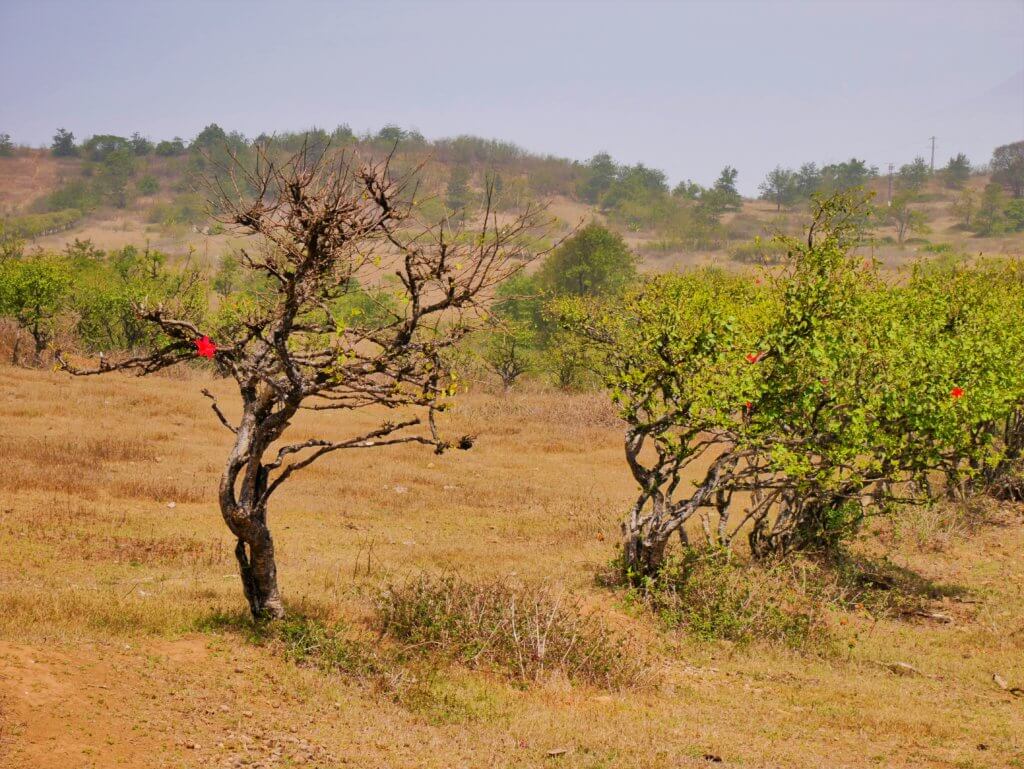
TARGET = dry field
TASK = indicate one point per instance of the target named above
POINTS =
(115, 564)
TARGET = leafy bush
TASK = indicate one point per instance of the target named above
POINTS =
(37, 225)
(148, 185)
(822, 392)
(527, 632)
(77, 195)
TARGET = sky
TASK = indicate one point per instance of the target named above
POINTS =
(686, 87)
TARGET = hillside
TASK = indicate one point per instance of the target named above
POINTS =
(170, 217)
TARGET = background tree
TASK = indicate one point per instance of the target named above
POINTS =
(63, 145)
(170, 148)
(457, 193)
(808, 180)
(593, 262)
(687, 190)
(779, 186)
(140, 144)
(322, 224)
(100, 146)
(913, 176)
(957, 171)
(725, 187)
(34, 292)
(990, 219)
(965, 206)
(509, 350)
(113, 175)
(599, 175)
(901, 214)
(1008, 167)
(6, 146)
(838, 177)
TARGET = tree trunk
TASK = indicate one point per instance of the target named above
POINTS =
(642, 557)
(246, 516)
(259, 574)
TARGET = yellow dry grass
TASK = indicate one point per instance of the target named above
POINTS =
(103, 586)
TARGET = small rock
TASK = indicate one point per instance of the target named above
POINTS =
(171, 505)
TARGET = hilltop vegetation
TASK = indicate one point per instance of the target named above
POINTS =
(149, 187)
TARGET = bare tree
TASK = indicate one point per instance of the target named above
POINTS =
(325, 228)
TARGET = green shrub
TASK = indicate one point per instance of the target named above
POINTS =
(37, 225)
(148, 185)
(77, 194)
(305, 640)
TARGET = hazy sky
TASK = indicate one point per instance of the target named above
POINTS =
(686, 87)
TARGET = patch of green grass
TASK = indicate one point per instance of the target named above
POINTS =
(303, 640)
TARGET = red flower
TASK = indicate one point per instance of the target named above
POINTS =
(956, 392)
(205, 347)
(754, 357)
(749, 405)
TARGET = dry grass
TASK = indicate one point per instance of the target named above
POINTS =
(108, 656)
(529, 632)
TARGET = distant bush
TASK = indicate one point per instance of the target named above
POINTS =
(184, 209)
(170, 148)
(527, 632)
(758, 251)
(37, 225)
(147, 185)
(743, 226)
(76, 194)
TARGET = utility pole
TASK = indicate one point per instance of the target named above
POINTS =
(888, 200)
(933, 154)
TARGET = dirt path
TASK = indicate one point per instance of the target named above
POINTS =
(75, 709)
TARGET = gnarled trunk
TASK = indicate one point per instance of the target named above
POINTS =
(244, 507)
(259, 575)
(642, 555)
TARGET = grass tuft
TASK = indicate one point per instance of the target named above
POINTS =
(711, 595)
(526, 632)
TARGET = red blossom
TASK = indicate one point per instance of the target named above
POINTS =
(754, 357)
(205, 347)
(956, 392)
